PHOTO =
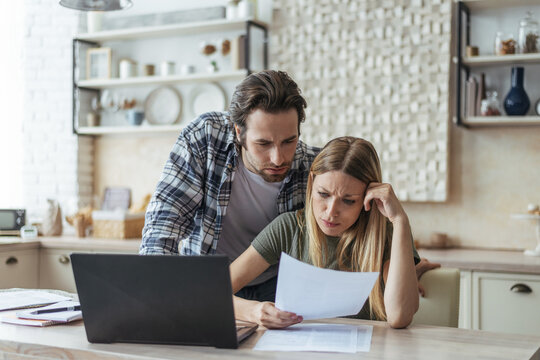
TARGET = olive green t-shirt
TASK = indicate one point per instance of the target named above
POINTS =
(285, 234)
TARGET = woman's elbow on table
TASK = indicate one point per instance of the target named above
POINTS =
(403, 317)
(400, 321)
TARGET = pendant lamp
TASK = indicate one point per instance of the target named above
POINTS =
(97, 5)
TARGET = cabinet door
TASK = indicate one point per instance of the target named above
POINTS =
(506, 302)
(55, 270)
(465, 299)
(19, 269)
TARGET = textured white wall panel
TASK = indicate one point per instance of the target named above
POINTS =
(377, 70)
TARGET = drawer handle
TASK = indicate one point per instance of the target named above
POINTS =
(63, 259)
(12, 260)
(521, 288)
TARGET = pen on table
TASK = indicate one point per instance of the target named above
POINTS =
(67, 308)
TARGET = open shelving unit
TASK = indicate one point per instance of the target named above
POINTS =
(497, 4)
(143, 129)
(479, 121)
(465, 64)
(170, 30)
(161, 80)
(488, 60)
(138, 33)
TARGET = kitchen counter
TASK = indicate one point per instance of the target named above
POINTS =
(484, 260)
(464, 259)
(9, 243)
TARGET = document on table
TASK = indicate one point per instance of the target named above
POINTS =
(317, 337)
(27, 298)
(316, 293)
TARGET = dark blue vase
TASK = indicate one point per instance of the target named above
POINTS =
(517, 102)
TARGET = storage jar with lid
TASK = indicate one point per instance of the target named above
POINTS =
(490, 105)
(504, 44)
(528, 35)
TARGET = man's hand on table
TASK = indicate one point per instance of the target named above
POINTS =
(423, 266)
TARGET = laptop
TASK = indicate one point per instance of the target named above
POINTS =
(185, 300)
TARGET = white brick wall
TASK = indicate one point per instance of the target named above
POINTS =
(57, 163)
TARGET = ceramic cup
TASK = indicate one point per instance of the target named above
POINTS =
(135, 117)
(92, 119)
(149, 70)
(94, 21)
(167, 68)
(127, 68)
(187, 69)
(246, 10)
(231, 12)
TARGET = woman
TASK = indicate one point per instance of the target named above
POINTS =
(343, 227)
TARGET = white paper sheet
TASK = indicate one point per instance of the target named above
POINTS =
(27, 298)
(365, 332)
(317, 337)
(316, 293)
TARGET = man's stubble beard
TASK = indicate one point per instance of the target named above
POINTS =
(254, 168)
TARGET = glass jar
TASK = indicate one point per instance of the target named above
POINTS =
(528, 35)
(504, 44)
(490, 105)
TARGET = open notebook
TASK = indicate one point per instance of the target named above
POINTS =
(30, 317)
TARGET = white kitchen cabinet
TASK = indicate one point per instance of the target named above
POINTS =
(55, 270)
(505, 302)
(19, 268)
(465, 299)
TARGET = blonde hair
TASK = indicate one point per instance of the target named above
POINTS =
(361, 247)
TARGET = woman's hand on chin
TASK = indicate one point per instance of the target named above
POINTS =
(387, 202)
(267, 315)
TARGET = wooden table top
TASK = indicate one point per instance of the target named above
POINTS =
(417, 342)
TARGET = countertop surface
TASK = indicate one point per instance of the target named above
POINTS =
(69, 242)
(484, 260)
(464, 259)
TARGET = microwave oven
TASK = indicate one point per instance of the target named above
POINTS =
(11, 221)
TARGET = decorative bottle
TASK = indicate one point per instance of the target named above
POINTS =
(516, 101)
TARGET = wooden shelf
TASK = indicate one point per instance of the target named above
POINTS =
(497, 4)
(478, 121)
(487, 60)
(117, 130)
(191, 28)
(162, 80)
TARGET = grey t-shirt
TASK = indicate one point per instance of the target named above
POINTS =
(252, 206)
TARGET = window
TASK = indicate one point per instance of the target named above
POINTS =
(11, 103)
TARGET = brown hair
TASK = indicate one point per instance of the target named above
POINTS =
(270, 91)
(361, 247)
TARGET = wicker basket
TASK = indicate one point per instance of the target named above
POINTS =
(117, 225)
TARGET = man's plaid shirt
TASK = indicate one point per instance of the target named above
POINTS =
(193, 192)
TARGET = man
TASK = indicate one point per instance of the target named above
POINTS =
(230, 174)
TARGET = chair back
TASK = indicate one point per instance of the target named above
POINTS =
(440, 305)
